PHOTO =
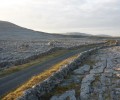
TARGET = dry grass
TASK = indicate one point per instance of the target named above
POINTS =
(32, 63)
(36, 79)
(111, 42)
(62, 89)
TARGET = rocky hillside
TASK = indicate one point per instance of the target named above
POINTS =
(11, 31)
(97, 79)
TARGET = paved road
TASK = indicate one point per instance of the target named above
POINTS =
(12, 81)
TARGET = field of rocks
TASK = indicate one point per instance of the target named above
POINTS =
(12, 50)
(98, 78)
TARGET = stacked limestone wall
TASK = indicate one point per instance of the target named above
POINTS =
(4, 65)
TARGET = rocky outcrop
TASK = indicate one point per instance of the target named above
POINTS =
(85, 86)
(102, 80)
(82, 69)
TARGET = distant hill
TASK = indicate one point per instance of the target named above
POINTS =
(103, 35)
(11, 31)
(78, 33)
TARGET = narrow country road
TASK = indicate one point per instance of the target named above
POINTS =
(12, 81)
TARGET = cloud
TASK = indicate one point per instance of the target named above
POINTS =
(63, 15)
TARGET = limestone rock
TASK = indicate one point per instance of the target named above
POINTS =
(82, 69)
(85, 86)
(70, 95)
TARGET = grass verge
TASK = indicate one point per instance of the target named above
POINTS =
(36, 79)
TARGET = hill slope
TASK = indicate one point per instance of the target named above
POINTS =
(11, 31)
(78, 34)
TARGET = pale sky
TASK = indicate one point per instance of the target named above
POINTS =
(60, 16)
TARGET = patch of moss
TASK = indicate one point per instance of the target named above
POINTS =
(94, 96)
(61, 89)
(95, 82)
(90, 62)
(68, 98)
(107, 95)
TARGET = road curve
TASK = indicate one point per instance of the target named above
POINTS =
(12, 81)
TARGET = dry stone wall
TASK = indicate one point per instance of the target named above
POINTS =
(10, 63)
(7, 64)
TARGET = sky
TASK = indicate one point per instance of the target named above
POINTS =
(61, 16)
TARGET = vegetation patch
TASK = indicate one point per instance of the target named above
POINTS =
(96, 81)
(61, 89)
(110, 42)
(90, 62)
(107, 94)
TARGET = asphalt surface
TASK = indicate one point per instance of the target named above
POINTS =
(14, 80)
